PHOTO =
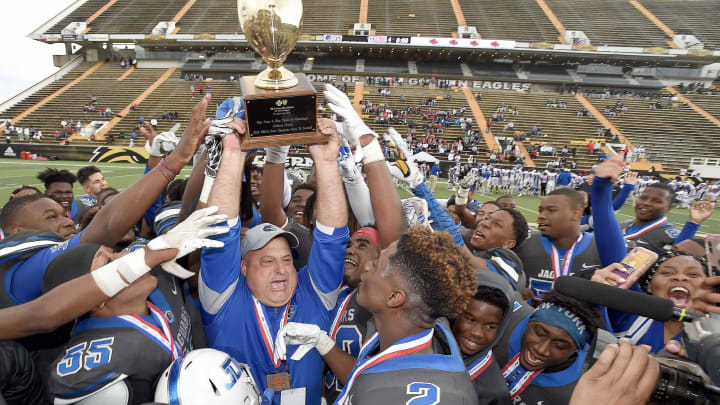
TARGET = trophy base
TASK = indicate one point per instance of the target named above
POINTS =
(278, 117)
(279, 79)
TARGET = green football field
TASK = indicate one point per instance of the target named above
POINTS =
(120, 175)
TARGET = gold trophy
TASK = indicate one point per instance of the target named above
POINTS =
(280, 106)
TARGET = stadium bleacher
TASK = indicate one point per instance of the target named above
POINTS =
(135, 16)
(688, 17)
(611, 22)
(670, 136)
(412, 17)
(520, 20)
(608, 22)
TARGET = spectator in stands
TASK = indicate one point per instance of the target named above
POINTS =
(110, 139)
(134, 107)
(93, 99)
(108, 111)
(123, 63)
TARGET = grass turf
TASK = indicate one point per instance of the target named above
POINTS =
(14, 173)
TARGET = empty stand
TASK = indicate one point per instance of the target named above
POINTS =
(329, 16)
(521, 20)
(412, 17)
(79, 15)
(711, 104)
(671, 136)
(135, 16)
(211, 16)
(689, 17)
(608, 22)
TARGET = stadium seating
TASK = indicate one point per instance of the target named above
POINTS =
(135, 16)
(210, 16)
(329, 17)
(608, 22)
(708, 103)
(688, 17)
(414, 96)
(80, 14)
(521, 20)
(103, 84)
(45, 91)
(562, 126)
(412, 17)
(670, 136)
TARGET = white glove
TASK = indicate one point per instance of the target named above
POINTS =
(277, 154)
(189, 235)
(218, 126)
(347, 163)
(164, 142)
(357, 191)
(461, 197)
(416, 211)
(403, 169)
(353, 126)
(306, 336)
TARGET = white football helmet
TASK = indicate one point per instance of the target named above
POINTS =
(207, 377)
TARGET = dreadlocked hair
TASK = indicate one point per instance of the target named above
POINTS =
(646, 278)
(586, 311)
(440, 278)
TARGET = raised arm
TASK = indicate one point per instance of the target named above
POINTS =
(220, 268)
(271, 200)
(63, 303)
(330, 206)
(609, 237)
(119, 215)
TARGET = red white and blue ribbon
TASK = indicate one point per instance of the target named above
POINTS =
(265, 330)
(480, 365)
(564, 268)
(338, 317)
(163, 337)
(647, 228)
(517, 385)
(403, 347)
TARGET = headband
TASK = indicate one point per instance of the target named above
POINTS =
(564, 319)
(370, 232)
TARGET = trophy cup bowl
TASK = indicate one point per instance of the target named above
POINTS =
(272, 27)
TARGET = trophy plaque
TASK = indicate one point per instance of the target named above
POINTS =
(280, 106)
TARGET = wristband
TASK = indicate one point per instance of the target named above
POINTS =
(167, 171)
(372, 152)
(116, 275)
(324, 344)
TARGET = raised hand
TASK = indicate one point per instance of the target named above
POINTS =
(189, 235)
(403, 169)
(631, 178)
(700, 211)
(326, 153)
(610, 168)
(194, 132)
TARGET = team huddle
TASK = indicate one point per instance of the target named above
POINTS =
(257, 286)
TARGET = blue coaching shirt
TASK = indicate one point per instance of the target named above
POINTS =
(229, 311)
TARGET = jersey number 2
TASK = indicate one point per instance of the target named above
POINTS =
(98, 353)
(425, 394)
